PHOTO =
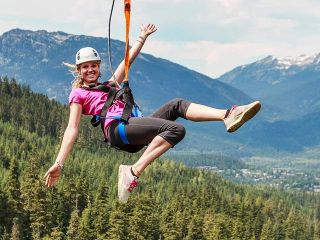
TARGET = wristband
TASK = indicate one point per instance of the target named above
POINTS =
(142, 38)
(59, 164)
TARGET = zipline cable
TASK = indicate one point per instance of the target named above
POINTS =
(109, 45)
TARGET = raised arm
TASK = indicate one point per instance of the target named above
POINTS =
(134, 51)
(69, 137)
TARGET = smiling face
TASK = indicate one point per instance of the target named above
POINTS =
(90, 72)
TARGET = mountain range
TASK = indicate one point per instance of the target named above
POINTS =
(35, 59)
(290, 84)
(288, 89)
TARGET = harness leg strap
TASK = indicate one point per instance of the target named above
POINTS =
(122, 132)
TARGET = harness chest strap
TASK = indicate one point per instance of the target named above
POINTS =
(113, 94)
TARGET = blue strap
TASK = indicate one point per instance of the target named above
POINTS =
(121, 126)
(122, 133)
(136, 111)
(116, 117)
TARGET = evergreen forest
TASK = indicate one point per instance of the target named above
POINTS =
(171, 202)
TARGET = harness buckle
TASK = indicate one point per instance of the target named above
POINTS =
(95, 121)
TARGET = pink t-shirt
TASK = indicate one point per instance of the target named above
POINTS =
(92, 102)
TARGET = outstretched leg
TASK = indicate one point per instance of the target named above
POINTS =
(158, 146)
(199, 113)
(233, 118)
(165, 134)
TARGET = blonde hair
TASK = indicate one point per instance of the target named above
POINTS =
(75, 71)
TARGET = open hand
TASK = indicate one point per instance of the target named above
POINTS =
(147, 30)
(52, 175)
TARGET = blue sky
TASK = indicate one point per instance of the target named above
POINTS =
(209, 36)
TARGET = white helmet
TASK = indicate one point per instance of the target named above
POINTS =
(87, 54)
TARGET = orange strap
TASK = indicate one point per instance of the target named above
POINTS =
(127, 6)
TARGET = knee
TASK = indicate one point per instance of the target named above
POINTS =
(180, 132)
(176, 102)
(174, 133)
(179, 107)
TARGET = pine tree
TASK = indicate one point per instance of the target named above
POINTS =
(258, 223)
(5, 235)
(12, 189)
(118, 222)
(208, 223)
(278, 230)
(294, 226)
(60, 207)
(34, 198)
(267, 232)
(5, 86)
(195, 228)
(16, 230)
(57, 234)
(73, 228)
(101, 210)
(144, 221)
(86, 230)
(217, 227)
(317, 211)
(172, 220)
(4, 212)
(238, 229)
(248, 218)
(316, 235)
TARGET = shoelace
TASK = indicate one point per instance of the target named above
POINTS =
(231, 110)
(133, 184)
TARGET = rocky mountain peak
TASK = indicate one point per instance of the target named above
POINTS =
(284, 63)
(302, 61)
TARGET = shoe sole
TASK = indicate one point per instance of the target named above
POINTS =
(120, 180)
(245, 116)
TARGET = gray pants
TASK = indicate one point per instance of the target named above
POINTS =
(141, 131)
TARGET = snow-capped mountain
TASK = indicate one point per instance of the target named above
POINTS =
(267, 68)
(303, 61)
(290, 83)
(285, 63)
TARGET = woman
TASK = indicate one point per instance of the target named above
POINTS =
(158, 132)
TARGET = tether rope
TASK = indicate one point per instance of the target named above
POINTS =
(127, 9)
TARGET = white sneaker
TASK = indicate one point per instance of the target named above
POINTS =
(238, 115)
(126, 183)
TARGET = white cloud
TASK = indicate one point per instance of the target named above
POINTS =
(214, 58)
(211, 58)
(211, 36)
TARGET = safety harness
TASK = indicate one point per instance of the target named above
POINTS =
(131, 109)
